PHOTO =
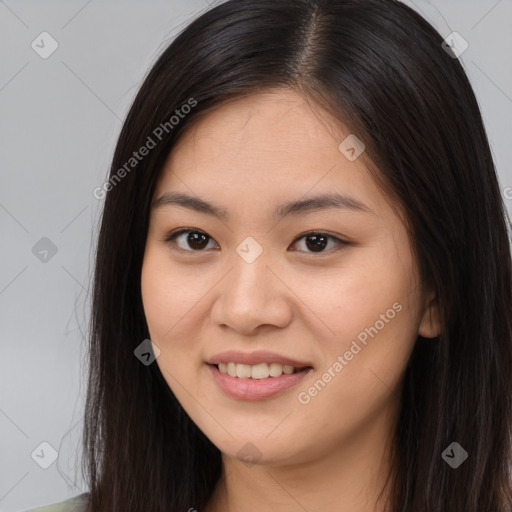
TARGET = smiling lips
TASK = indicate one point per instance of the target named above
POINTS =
(255, 389)
(256, 358)
(258, 371)
(256, 375)
(256, 365)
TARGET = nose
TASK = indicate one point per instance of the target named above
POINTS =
(251, 296)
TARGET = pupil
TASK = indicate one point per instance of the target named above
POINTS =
(196, 238)
(319, 242)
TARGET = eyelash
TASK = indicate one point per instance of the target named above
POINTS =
(170, 239)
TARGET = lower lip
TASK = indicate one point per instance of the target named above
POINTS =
(255, 389)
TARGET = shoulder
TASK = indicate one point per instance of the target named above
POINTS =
(75, 504)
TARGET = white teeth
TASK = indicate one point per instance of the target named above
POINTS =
(260, 371)
(275, 369)
(231, 369)
(243, 371)
(257, 371)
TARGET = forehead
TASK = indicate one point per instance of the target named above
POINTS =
(265, 148)
(280, 123)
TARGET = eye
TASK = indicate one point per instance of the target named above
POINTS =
(316, 241)
(197, 240)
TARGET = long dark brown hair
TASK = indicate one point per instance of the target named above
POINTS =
(380, 68)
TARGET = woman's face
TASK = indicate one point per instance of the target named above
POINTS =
(247, 280)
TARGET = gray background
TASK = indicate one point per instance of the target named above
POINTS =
(59, 120)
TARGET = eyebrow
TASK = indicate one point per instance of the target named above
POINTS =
(298, 207)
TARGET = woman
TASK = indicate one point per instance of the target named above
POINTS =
(303, 280)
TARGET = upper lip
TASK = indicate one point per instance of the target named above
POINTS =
(253, 358)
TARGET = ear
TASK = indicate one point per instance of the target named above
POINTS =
(430, 325)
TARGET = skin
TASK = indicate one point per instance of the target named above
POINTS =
(248, 156)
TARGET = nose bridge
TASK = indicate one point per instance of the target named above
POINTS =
(250, 277)
(251, 294)
(250, 263)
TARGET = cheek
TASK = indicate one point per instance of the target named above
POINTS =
(372, 313)
(363, 363)
(168, 296)
(170, 305)
(355, 297)
(175, 307)
(156, 300)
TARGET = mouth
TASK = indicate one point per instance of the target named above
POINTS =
(258, 371)
(260, 387)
